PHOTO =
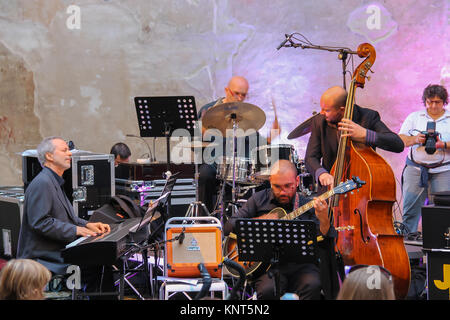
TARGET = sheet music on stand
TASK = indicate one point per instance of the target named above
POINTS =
(154, 112)
(262, 239)
(151, 214)
(276, 242)
(161, 116)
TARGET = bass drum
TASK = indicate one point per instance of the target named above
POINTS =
(263, 157)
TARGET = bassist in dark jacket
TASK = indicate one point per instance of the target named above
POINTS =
(365, 127)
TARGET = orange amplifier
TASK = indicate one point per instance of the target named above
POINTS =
(191, 241)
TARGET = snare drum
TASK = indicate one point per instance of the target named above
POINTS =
(242, 169)
(263, 157)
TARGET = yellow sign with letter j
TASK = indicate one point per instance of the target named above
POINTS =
(445, 283)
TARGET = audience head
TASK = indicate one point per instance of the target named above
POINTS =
(367, 283)
(23, 279)
(121, 153)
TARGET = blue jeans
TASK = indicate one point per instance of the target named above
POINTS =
(414, 196)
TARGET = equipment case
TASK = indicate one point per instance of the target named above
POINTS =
(11, 211)
(89, 182)
(143, 191)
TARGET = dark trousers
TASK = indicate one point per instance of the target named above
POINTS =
(98, 279)
(207, 184)
(302, 279)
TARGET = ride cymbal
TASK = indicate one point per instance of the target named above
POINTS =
(303, 128)
(222, 116)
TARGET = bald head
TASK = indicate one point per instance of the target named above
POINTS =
(283, 167)
(284, 181)
(237, 89)
(332, 104)
(238, 81)
(334, 97)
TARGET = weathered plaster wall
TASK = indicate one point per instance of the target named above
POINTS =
(80, 82)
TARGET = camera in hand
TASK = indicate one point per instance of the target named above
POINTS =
(430, 137)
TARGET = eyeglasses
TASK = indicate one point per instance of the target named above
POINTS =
(437, 102)
(381, 269)
(285, 187)
(240, 94)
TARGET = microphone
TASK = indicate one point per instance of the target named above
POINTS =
(288, 37)
(150, 156)
(71, 145)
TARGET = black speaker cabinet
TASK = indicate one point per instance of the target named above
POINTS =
(436, 244)
(438, 274)
(435, 225)
(11, 210)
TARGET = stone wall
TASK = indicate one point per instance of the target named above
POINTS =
(74, 71)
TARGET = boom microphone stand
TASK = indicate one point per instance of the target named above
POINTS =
(342, 52)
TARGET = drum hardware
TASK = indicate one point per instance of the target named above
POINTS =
(195, 207)
(198, 144)
(303, 173)
(233, 115)
(302, 188)
(242, 189)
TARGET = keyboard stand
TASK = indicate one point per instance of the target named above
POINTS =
(123, 274)
(123, 279)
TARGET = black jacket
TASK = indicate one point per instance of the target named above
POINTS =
(49, 222)
(323, 143)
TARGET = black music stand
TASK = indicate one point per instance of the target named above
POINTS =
(135, 232)
(164, 205)
(160, 116)
(276, 242)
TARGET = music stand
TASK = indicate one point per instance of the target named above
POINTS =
(276, 242)
(164, 203)
(160, 116)
(150, 216)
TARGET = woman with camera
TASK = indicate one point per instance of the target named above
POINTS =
(427, 133)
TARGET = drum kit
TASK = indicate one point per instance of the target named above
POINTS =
(244, 173)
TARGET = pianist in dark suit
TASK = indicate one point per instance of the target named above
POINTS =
(49, 222)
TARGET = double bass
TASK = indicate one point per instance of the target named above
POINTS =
(372, 240)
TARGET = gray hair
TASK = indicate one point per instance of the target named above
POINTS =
(45, 146)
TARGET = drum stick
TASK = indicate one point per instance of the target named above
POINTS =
(274, 108)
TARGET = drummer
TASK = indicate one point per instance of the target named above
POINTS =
(235, 91)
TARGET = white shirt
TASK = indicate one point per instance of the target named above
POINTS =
(418, 120)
